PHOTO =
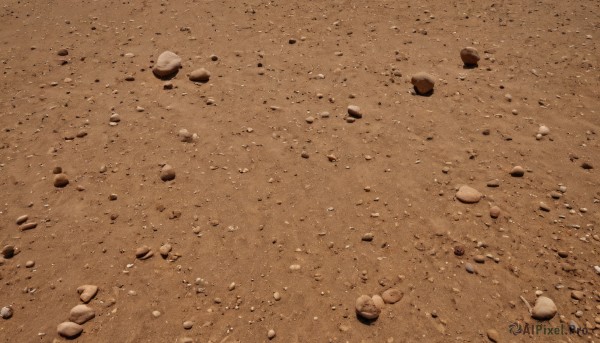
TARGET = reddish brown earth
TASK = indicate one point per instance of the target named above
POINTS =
(245, 204)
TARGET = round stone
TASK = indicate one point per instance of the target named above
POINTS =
(61, 180)
(517, 171)
(354, 112)
(468, 195)
(142, 251)
(392, 296)
(495, 212)
(156, 314)
(8, 251)
(165, 250)
(6, 312)
(365, 308)
(29, 264)
(469, 56)
(423, 83)
(543, 130)
(271, 334)
(167, 64)
(199, 75)
(188, 324)
(167, 173)
(544, 309)
(479, 258)
(69, 329)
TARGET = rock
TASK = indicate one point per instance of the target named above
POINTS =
(392, 296)
(167, 64)
(87, 292)
(423, 83)
(354, 112)
(587, 165)
(517, 171)
(493, 335)
(143, 252)
(304, 154)
(543, 130)
(22, 219)
(156, 314)
(459, 250)
(81, 314)
(479, 258)
(277, 296)
(115, 118)
(493, 183)
(29, 264)
(28, 226)
(62, 52)
(365, 308)
(468, 195)
(469, 268)
(469, 56)
(61, 180)
(214, 57)
(165, 250)
(544, 207)
(563, 253)
(6, 312)
(69, 329)
(199, 75)
(310, 119)
(167, 173)
(544, 309)
(271, 334)
(378, 301)
(188, 324)
(577, 295)
(495, 212)
(367, 237)
(185, 136)
(8, 251)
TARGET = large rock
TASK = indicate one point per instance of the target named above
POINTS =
(87, 292)
(423, 83)
(167, 64)
(544, 309)
(468, 195)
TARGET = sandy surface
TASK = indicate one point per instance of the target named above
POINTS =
(256, 193)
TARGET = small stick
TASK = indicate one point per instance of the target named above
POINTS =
(527, 303)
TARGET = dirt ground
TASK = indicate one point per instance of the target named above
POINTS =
(281, 216)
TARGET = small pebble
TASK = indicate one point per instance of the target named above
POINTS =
(468, 195)
(277, 296)
(271, 334)
(495, 212)
(577, 295)
(165, 250)
(479, 258)
(61, 180)
(156, 314)
(188, 324)
(423, 83)
(199, 75)
(167, 173)
(69, 329)
(167, 64)
(354, 112)
(365, 307)
(544, 309)
(544, 207)
(517, 171)
(6, 312)
(493, 335)
(543, 130)
(392, 296)
(22, 219)
(81, 314)
(469, 56)
(8, 251)
(469, 268)
(29, 264)
(87, 292)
